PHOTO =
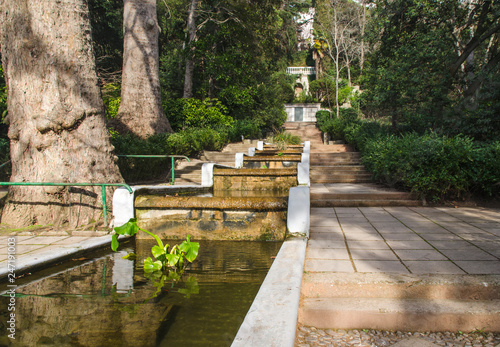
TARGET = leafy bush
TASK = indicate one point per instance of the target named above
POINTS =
(191, 142)
(185, 113)
(111, 95)
(360, 132)
(329, 123)
(435, 167)
(246, 128)
(286, 138)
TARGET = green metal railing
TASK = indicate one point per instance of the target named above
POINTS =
(102, 185)
(157, 156)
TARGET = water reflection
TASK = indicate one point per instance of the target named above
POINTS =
(103, 301)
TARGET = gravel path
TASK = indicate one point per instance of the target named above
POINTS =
(310, 336)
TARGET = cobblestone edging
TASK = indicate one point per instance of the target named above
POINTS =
(310, 336)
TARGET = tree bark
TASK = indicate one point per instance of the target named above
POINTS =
(55, 113)
(191, 31)
(140, 111)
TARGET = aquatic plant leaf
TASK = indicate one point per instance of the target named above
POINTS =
(173, 259)
(190, 249)
(114, 242)
(158, 251)
(150, 266)
(130, 228)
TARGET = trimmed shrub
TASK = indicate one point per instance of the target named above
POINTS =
(435, 167)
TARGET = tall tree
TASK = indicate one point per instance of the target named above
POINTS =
(191, 35)
(140, 111)
(55, 113)
(432, 57)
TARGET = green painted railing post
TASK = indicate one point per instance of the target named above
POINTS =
(173, 172)
(104, 207)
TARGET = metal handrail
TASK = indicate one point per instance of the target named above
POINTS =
(102, 185)
(157, 156)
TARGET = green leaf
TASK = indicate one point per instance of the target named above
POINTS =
(150, 266)
(190, 249)
(114, 242)
(158, 251)
(130, 228)
(173, 259)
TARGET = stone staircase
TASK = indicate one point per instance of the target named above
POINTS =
(339, 178)
(400, 302)
(189, 173)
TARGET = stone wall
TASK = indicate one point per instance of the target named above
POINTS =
(308, 112)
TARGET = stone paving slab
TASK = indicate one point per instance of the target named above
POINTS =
(34, 250)
(421, 240)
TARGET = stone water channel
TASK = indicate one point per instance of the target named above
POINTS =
(102, 299)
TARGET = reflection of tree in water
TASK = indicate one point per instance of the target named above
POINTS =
(81, 306)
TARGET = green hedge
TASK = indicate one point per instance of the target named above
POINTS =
(327, 122)
(433, 166)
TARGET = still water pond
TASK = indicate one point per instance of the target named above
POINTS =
(102, 300)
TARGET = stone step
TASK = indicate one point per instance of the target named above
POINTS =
(362, 196)
(406, 302)
(341, 155)
(400, 314)
(340, 179)
(337, 168)
(400, 286)
(325, 165)
(364, 203)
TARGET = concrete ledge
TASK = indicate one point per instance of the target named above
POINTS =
(401, 314)
(40, 259)
(272, 318)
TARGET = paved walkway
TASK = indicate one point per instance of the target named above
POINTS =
(35, 250)
(401, 240)
(418, 240)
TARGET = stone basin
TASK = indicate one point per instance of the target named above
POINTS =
(246, 179)
(213, 218)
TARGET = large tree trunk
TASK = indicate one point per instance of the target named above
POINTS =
(140, 111)
(55, 113)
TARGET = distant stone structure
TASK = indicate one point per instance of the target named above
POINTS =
(302, 82)
(302, 112)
